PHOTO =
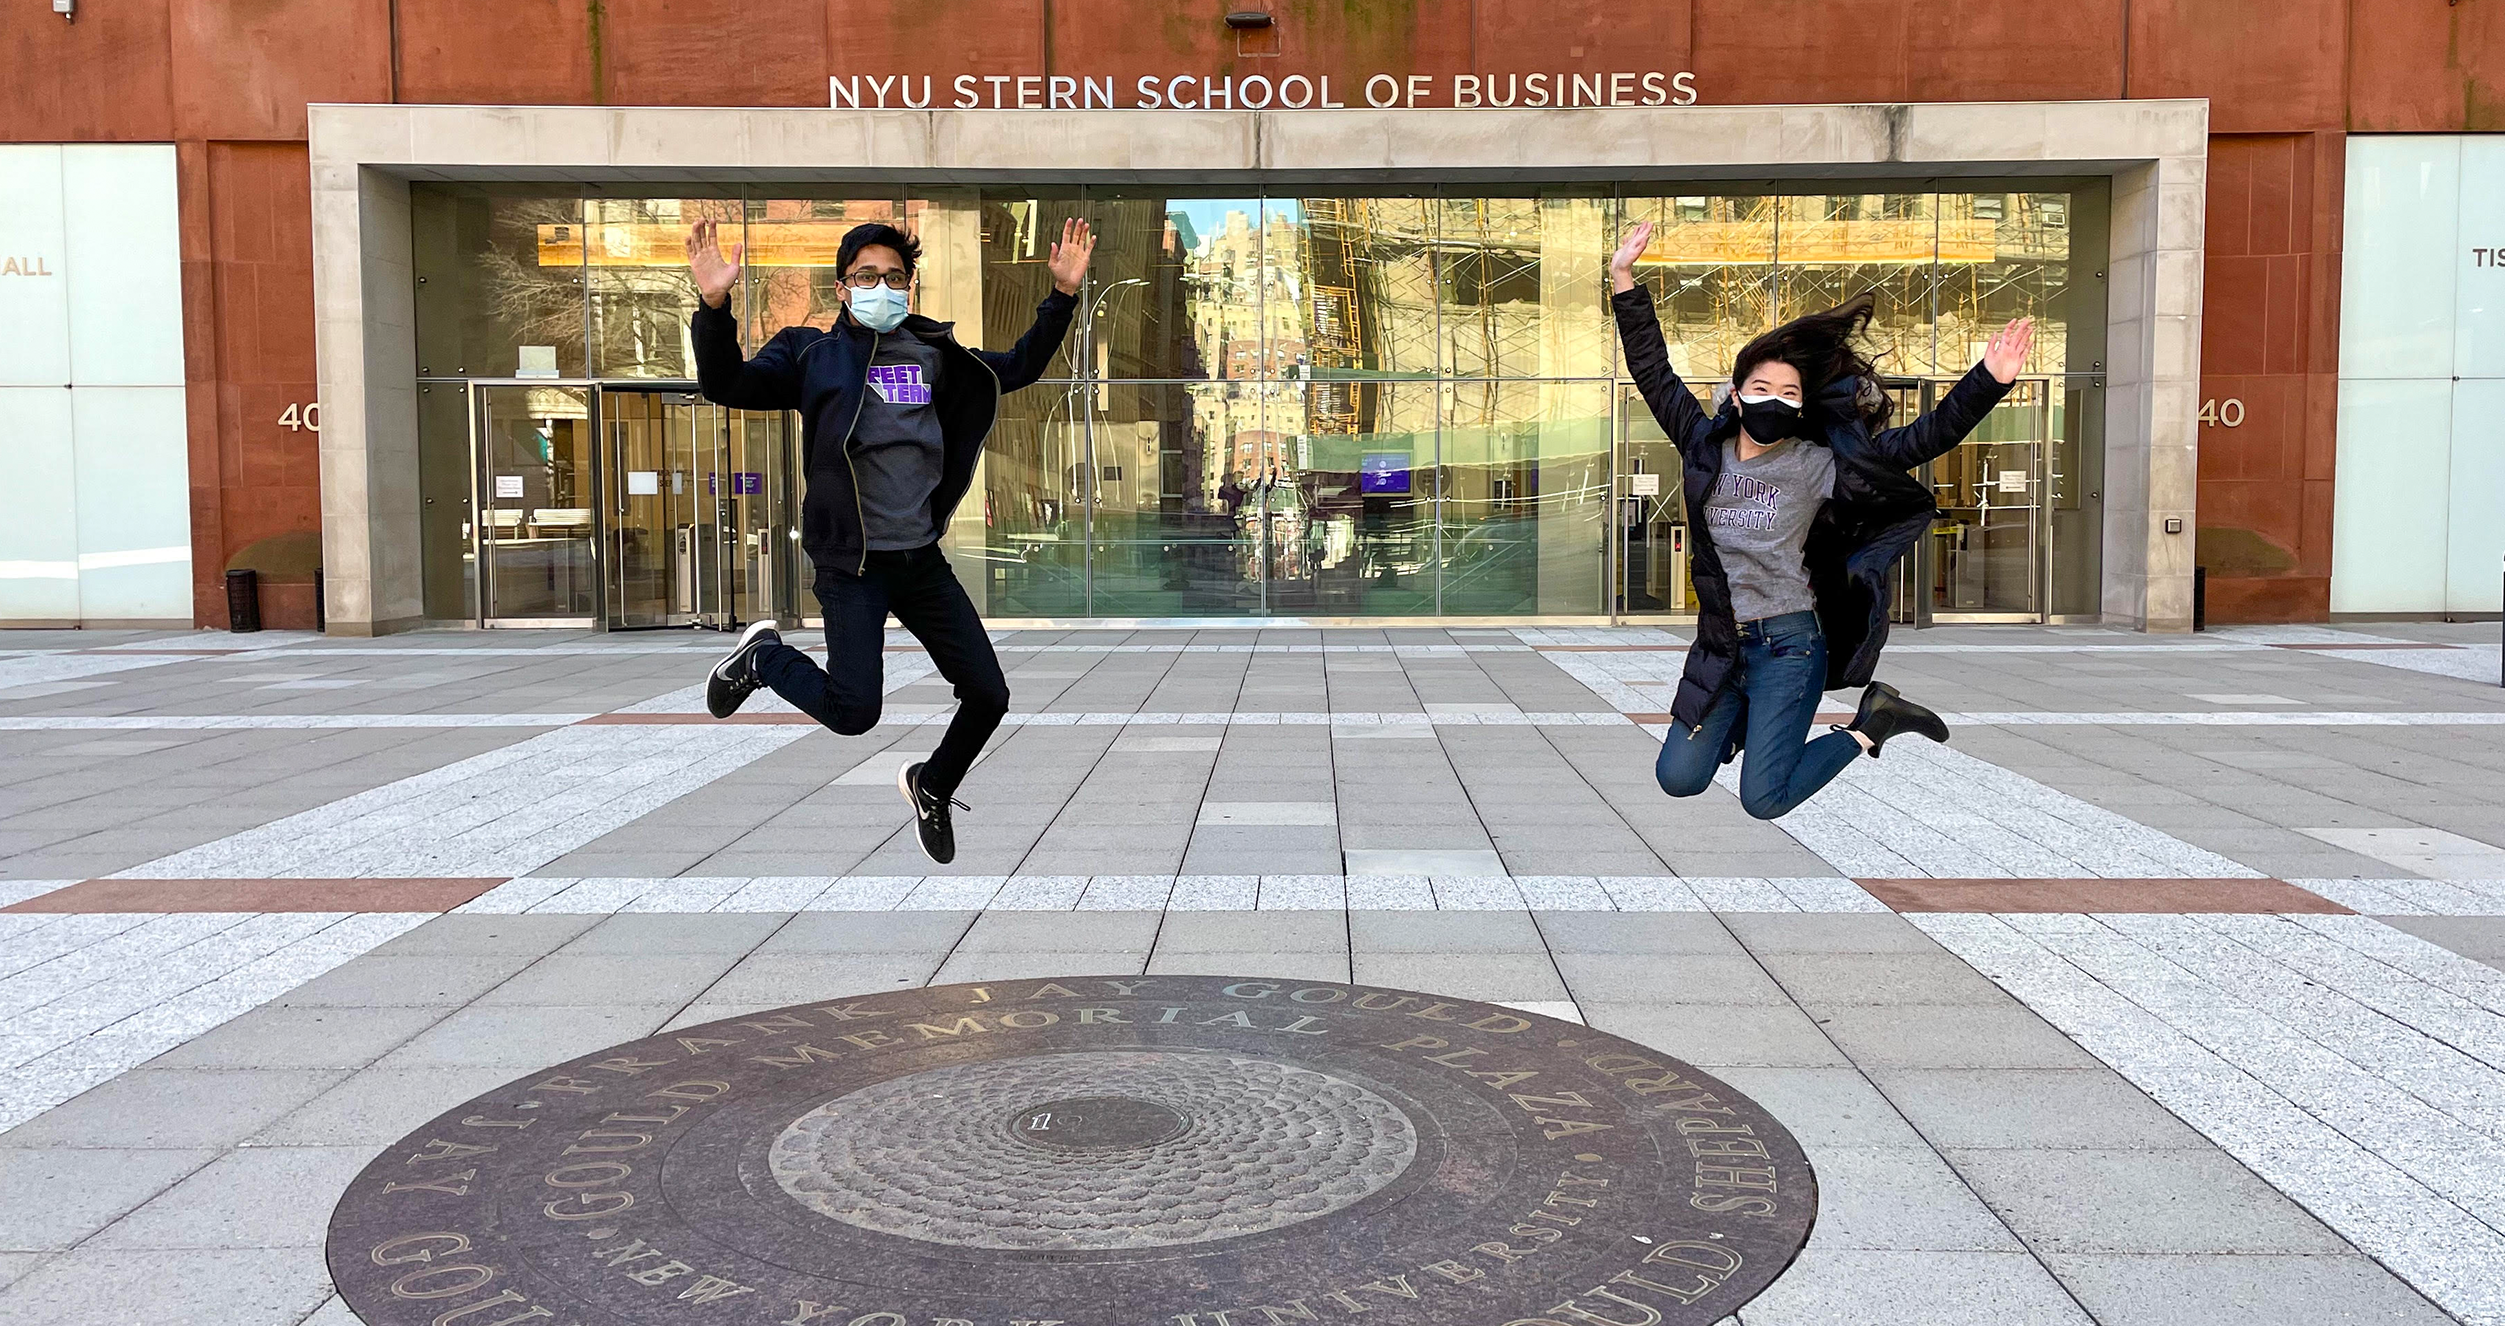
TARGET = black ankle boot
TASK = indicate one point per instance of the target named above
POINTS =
(1884, 713)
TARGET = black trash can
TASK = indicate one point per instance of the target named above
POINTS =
(243, 601)
(2200, 598)
(321, 610)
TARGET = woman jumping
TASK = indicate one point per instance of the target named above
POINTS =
(1799, 501)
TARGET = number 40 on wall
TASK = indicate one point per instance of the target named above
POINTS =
(300, 418)
(2228, 413)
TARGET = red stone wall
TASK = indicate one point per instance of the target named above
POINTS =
(228, 81)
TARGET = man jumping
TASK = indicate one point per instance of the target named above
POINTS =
(893, 413)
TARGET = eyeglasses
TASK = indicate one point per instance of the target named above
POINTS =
(865, 280)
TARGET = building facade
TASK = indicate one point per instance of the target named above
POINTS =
(1345, 353)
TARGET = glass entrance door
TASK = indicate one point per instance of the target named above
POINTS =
(536, 472)
(1988, 557)
(1651, 522)
(697, 535)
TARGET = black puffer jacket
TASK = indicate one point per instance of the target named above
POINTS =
(1879, 509)
(825, 375)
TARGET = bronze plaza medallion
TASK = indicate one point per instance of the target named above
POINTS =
(1097, 1151)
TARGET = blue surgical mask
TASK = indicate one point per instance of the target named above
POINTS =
(878, 308)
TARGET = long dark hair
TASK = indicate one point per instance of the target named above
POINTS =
(1820, 347)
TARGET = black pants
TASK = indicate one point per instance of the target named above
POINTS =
(920, 588)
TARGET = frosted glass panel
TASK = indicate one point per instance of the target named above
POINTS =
(2479, 313)
(2387, 537)
(38, 524)
(34, 287)
(134, 507)
(2399, 269)
(125, 265)
(2477, 530)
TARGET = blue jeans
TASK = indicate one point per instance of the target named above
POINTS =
(1782, 673)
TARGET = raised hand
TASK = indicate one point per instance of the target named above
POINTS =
(1068, 262)
(1622, 263)
(2007, 352)
(714, 273)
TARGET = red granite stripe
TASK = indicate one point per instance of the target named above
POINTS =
(258, 895)
(2098, 895)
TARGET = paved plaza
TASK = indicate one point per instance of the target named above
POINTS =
(2171, 990)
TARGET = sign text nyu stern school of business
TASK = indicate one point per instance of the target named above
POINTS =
(1260, 91)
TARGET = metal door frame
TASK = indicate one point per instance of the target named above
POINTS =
(779, 525)
(481, 504)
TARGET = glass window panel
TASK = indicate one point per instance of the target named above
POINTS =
(2474, 537)
(497, 269)
(1525, 482)
(1349, 518)
(1831, 247)
(1360, 278)
(2399, 272)
(789, 271)
(1029, 496)
(2010, 259)
(1522, 285)
(1017, 229)
(1651, 527)
(2388, 549)
(1180, 288)
(2479, 326)
(1180, 470)
(635, 260)
(1710, 269)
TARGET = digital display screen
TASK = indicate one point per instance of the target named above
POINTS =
(1383, 472)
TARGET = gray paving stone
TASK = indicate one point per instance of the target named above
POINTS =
(963, 967)
(16, 1266)
(1935, 1036)
(229, 1286)
(2040, 1109)
(1325, 931)
(478, 936)
(1673, 978)
(2242, 1290)
(1829, 1286)
(378, 1106)
(2480, 937)
(1902, 1198)
(569, 977)
(409, 979)
(1821, 979)
(2172, 1201)
(175, 1107)
(869, 932)
(1059, 932)
(1444, 932)
(635, 935)
(1492, 977)
(257, 1197)
(781, 979)
(1324, 967)
(1828, 932)
(1717, 1035)
(1637, 932)
(57, 1195)
(302, 1038)
(520, 1036)
(1824, 1107)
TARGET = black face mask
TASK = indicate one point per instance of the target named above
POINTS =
(1770, 419)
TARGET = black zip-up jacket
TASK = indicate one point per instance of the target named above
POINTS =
(1879, 509)
(825, 375)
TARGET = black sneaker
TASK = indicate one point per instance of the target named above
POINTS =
(1884, 713)
(734, 679)
(930, 816)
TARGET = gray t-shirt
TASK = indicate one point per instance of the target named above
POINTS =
(897, 447)
(1759, 517)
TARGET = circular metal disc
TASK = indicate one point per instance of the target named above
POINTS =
(1107, 1151)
